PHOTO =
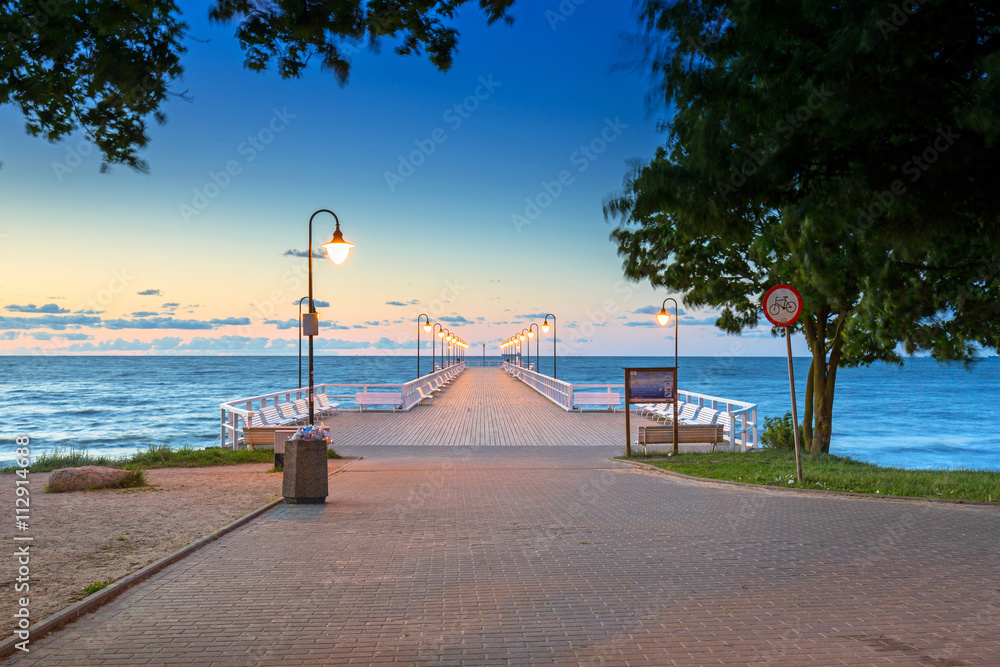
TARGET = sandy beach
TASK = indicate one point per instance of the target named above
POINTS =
(86, 537)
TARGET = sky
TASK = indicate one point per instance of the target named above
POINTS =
(473, 196)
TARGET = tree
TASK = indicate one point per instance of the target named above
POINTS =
(849, 149)
(106, 66)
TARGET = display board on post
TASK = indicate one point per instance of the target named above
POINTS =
(782, 307)
(649, 385)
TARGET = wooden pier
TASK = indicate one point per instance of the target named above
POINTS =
(483, 407)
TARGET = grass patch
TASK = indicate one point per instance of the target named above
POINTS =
(155, 456)
(90, 589)
(330, 454)
(832, 473)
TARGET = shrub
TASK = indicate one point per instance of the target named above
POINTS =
(778, 432)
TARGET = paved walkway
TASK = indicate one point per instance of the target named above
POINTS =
(531, 555)
(484, 407)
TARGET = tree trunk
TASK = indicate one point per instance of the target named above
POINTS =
(807, 416)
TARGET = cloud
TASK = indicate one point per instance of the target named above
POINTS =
(401, 303)
(316, 302)
(455, 319)
(338, 344)
(291, 323)
(641, 323)
(32, 308)
(173, 323)
(149, 292)
(653, 310)
(10, 335)
(533, 316)
(144, 313)
(57, 322)
(171, 305)
(384, 343)
(374, 323)
(480, 319)
(89, 312)
(317, 253)
(358, 326)
(117, 345)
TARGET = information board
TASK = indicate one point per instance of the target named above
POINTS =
(651, 385)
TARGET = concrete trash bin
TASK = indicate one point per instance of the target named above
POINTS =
(304, 479)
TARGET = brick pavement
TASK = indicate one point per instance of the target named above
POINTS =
(510, 555)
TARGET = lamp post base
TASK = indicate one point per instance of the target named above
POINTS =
(304, 478)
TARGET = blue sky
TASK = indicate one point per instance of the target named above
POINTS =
(474, 195)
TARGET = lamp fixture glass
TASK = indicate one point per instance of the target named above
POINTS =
(428, 327)
(531, 334)
(663, 317)
(545, 325)
(338, 249)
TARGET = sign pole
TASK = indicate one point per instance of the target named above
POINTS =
(782, 306)
(628, 422)
(795, 411)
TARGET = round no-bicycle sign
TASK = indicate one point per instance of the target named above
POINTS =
(782, 305)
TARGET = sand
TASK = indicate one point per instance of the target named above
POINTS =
(94, 536)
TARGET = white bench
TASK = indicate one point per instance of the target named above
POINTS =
(368, 398)
(606, 398)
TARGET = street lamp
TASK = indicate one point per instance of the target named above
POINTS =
(337, 249)
(442, 332)
(545, 328)
(427, 327)
(531, 334)
(299, 385)
(520, 348)
(663, 319)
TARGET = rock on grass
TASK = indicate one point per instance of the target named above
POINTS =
(86, 478)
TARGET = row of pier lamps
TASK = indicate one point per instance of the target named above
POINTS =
(525, 335)
(456, 347)
(663, 318)
(338, 249)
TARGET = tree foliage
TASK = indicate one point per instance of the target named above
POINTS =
(106, 66)
(92, 64)
(849, 149)
(290, 33)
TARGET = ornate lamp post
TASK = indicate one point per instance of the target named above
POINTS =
(427, 328)
(531, 334)
(520, 348)
(337, 249)
(433, 344)
(299, 385)
(663, 319)
(442, 332)
(545, 328)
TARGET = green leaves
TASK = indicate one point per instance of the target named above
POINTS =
(290, 33)
(100, 66)
(812, 148)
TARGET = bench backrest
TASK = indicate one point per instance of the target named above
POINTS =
(271, 415)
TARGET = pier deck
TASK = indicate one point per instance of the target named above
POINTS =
(484, 407)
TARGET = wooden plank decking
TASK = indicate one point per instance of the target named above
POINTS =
(483, 407)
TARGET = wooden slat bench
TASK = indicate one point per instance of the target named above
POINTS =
(262, 437)
(686, 433)
(363, 398)
(606, 398)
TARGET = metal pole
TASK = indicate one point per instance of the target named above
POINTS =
(299, 385)
(795, 411)
(312, 309)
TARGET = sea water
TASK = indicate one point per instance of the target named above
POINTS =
(920, 415)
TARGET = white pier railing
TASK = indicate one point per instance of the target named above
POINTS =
(234, 414)
(557, 391)
(740, 419)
